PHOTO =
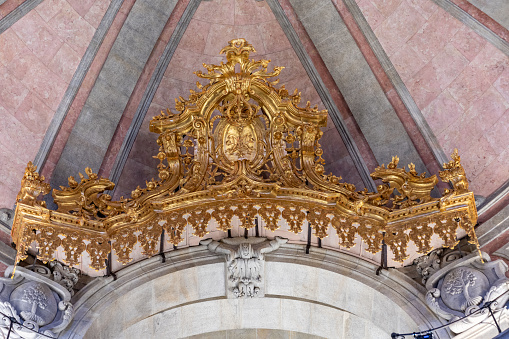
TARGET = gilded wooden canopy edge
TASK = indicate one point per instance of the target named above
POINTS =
(241, 147)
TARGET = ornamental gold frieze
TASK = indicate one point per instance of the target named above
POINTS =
(241, 150)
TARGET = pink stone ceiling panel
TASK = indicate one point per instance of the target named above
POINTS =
(213, 25)
(195, 40)
(407, 62)
(48, 86)
(12, 91)
(434, 34)
(11, 45)
(400, 26)
(488, 180)
(81, 6)
(488, 109)
(371, 13)
(497, 135)
(252, 12)
(218, 12)
(458, 80)
(38, 57)
(274, 39)
(425, 8)
(73, 29)
(20, 140)
(33, 113)
(96, 12)
(252, 34)
(38, 36)
(468, 42)
(502, 84)
(424, 86)
(490, 63)
(468, 87)
(216, 38)
(448, 64)
(49, 8)
(9, 184)
(443, 112)
(65, 62)
(386, 7)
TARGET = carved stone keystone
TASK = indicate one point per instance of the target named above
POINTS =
(245, 263)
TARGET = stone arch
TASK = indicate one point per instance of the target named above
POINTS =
(324, 293)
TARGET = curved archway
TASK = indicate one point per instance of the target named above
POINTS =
(324, 293)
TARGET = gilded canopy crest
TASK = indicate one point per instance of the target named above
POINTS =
(240, 146)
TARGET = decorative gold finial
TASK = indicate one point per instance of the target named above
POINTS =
(32, 185)
(455, 173)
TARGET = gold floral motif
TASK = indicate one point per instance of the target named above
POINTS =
(271, 215)
(98, 250)
(397, 240)
(372, 236)
(246, 212)
(346, 231)
(420, 234)
(123, 243)
(149, 237)
(294, 217)
(174, 227)
(319, 221)
(47, 242)
(199, 219)
(27, 237)
(446, 229)
(74, 247)
(223, 215)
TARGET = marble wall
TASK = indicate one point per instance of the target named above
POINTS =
(38, 57)
(458, 80)
(320, 295)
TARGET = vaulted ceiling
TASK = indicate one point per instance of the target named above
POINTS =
(81, 79)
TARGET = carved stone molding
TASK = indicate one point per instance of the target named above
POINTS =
(33, 306)
(245, 263)
(465, 287)
(62, 274)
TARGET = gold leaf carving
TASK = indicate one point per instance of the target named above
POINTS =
(239, 145)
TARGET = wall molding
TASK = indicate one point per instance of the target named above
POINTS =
(323, 92)
(75, 84)
(454, 10)
(96, 296)
(494, 198)
(151, 89)
(17, 13)
(398, 84)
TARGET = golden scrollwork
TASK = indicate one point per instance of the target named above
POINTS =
(86, 198)
(455, 173)
(32, 185)
(239, 147)
(413, 188)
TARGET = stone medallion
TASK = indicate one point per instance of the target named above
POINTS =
(35, 302)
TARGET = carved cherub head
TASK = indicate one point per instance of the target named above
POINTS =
(245, 251)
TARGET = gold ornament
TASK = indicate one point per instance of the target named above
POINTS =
(241, 147)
